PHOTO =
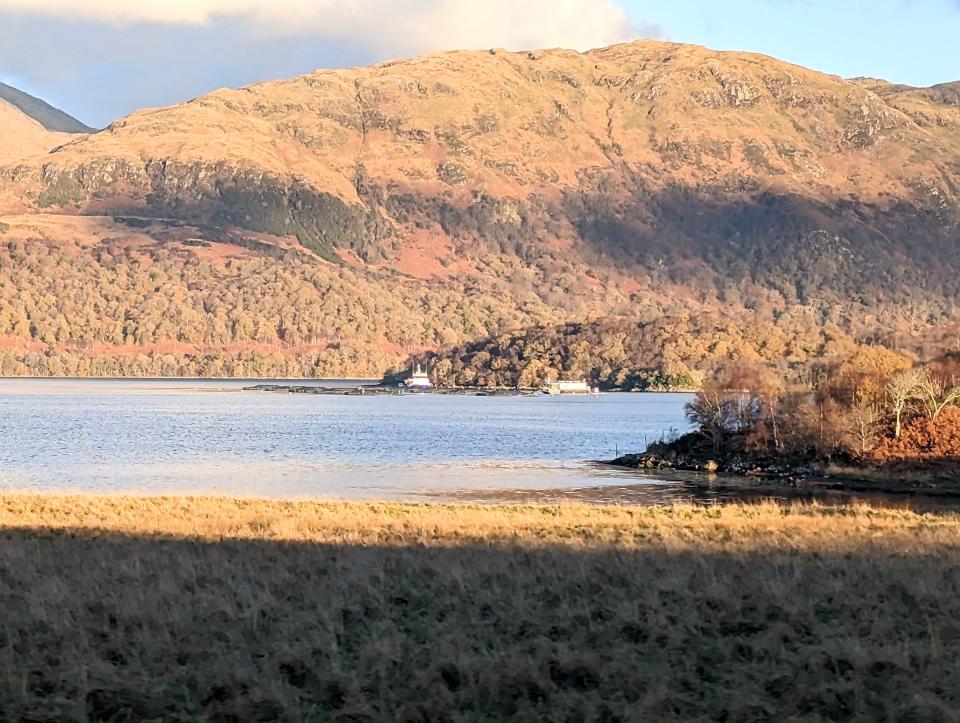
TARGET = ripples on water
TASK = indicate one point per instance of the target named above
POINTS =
(209, 437)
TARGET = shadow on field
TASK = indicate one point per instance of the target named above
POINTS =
(113, 628)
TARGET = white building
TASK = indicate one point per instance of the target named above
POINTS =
(419, 379)
(567, 387)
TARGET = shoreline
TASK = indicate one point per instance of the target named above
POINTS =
(769, 476)
(308, 382)
(388, 390)
(380, 388)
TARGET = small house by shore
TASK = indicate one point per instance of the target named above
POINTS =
(566, 387)
(418, 379)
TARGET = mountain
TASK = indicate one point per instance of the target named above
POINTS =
(339, 221)
(22, 137)
(53, 119)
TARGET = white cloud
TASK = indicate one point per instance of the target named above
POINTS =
(382, 25)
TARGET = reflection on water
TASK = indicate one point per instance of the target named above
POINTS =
(210, 437)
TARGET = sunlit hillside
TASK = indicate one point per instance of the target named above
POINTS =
(467, 193)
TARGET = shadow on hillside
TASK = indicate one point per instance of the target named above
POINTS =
(837, 248)
(111, 627)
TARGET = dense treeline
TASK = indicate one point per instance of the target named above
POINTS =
(168, 311)
(669, 353)
(199, 308)
(874, 407)
(253, 363)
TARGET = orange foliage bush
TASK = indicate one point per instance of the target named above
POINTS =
(924, 438)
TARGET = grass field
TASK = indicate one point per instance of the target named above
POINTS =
(129, 609)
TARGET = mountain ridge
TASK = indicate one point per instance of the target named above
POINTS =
(50, 117)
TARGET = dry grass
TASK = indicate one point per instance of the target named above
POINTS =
(120, 608)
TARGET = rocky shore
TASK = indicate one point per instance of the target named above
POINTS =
(718, 464)
(742, 472)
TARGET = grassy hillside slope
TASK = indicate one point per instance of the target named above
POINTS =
(638, 180)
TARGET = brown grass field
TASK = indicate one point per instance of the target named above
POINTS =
(186, 609)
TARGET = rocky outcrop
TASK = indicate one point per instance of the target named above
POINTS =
(719, 464)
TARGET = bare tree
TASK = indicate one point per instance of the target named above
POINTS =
(864, 423)
(716, 412)
(937, 393)
(736, 401)
(903, 388)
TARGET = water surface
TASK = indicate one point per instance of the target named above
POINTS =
(211, 437)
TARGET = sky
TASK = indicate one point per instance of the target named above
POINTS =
(102, 59)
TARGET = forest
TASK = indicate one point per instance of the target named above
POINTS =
(670, 353)
(175, 309)
(146, 302)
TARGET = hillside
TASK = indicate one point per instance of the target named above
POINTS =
(22, 137)
(53, 119)
(462, 194)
